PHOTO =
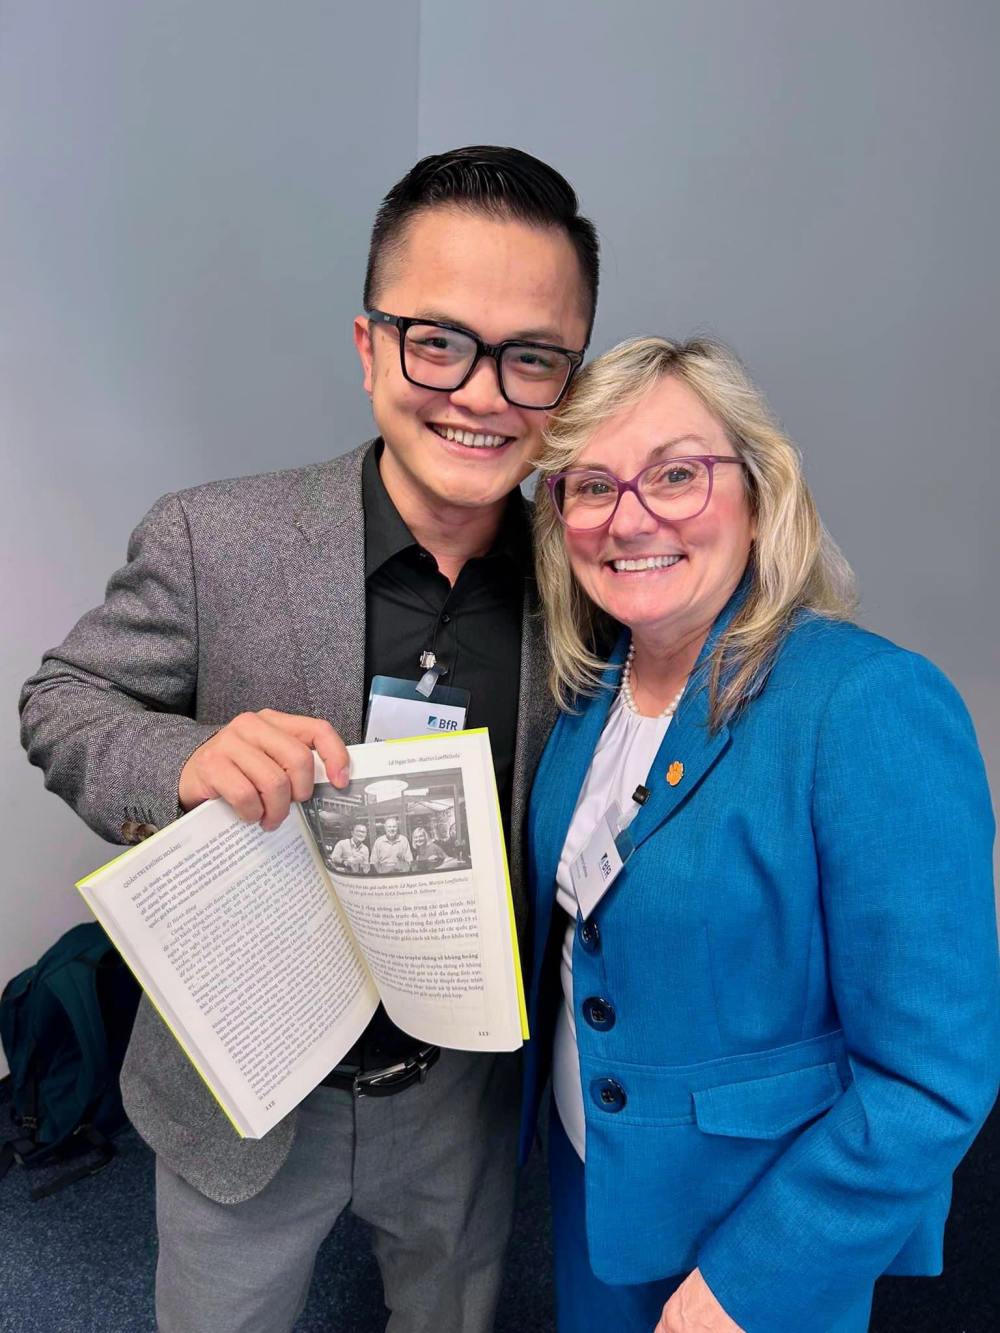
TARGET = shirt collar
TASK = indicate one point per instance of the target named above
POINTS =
(386, 535)
(385, 532)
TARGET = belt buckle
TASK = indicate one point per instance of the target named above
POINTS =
(401, 1073)
(379, 1078)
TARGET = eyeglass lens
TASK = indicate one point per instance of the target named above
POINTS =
(675, 490)
(440, 359)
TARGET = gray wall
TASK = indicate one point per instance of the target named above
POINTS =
(187, 189)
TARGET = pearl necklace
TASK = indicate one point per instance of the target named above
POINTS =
(626, 689)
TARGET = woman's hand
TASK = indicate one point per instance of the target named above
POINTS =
(693, 1309)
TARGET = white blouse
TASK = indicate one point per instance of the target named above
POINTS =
(622, 761)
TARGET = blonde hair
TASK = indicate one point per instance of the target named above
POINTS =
(794, 564)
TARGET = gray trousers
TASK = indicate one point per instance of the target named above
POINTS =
(432, 1169)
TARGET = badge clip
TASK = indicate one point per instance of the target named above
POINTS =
(426, 683)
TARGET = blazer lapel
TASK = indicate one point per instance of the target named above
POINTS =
(536, 713)
(325, 569)
(572, 748)
(688, 752)
(689, 749)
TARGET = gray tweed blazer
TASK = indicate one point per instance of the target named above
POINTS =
(237, 596)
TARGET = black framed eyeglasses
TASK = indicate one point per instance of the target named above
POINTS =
(675, 489)
(435, 355)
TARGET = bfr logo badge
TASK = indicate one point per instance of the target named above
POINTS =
(441, 723)
(605, 866)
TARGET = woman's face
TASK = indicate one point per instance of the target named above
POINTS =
(675, 603)
(419, 837)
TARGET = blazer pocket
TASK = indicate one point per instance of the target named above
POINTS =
(767, 1108)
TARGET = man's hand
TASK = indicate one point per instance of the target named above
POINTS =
(693, 1309)
(260, 763)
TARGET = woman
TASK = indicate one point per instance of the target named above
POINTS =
(777, 1028)
(427, 855)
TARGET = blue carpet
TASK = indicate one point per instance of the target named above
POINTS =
(83, 1260)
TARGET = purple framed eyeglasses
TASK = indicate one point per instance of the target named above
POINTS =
(675, 489)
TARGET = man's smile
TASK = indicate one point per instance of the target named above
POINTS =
(470, 439)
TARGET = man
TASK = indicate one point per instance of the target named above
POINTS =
(351, 854)
(243, 633)
(391, 853)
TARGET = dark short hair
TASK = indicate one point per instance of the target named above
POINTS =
(500, 182)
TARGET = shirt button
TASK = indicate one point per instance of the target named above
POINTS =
(599, 1013)
(608, 1094)
(446, 619)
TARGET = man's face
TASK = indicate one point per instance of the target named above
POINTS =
(391, 828)
(358, 833)
(500, 279)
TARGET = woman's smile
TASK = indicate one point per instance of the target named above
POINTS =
(642, 564)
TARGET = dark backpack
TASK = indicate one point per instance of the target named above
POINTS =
(65, 1024)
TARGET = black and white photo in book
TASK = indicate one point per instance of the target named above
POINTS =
(392, 825)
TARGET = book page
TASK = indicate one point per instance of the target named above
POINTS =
(414, 847)
(240, 943)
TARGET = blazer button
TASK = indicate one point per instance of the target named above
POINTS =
(599, 1013)
(608, 1094)
(590, 936)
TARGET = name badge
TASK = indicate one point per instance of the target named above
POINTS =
(397, 710)
(601, 861)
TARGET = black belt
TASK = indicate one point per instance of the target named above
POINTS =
(384, 1082)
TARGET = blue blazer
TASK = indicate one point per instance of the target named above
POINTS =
(798, 1030)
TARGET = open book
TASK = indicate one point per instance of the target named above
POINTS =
(267, 953)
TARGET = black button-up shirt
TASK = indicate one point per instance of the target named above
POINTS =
(473, 628)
